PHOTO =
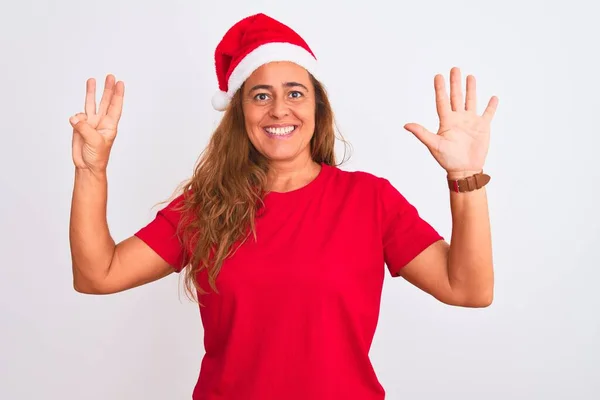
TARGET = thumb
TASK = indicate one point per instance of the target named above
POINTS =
(429, 139)
(80, 125)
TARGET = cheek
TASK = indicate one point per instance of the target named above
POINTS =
(306, 114)
(252, 118)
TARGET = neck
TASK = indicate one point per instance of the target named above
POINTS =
(291, 175)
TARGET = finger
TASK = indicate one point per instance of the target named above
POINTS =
(441, 97)
(109, 84)
(429, 139)
(79, 117)
(116, 104)
(491, 108)
(77, 144)
(456, 95)
(471, 102)
(90, 97)
(77, 139)
(80, 125)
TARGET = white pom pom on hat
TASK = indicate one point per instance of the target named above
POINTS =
(250, 43)
(220, 100)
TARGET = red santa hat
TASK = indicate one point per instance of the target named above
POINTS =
(254, 41)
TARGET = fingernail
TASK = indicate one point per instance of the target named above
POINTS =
(74, 120)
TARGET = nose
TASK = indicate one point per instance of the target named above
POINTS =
(279, 108)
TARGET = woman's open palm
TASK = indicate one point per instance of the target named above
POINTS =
(461, 143)
(95, 130)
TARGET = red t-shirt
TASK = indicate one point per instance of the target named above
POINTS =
(298, 307)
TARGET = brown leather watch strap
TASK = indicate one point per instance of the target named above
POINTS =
(468, 184)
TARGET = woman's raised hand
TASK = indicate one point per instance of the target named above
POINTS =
(95, 130)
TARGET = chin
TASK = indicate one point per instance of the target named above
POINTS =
(281, 155)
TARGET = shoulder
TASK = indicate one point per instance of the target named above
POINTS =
(354, 176)
(360, 179)
(172, 208)
(369, 189)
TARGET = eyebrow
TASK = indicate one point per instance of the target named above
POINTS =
(270, 87)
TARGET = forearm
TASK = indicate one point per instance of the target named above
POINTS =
(470, 266)
(92, 246)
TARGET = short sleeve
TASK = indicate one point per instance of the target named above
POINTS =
(161, 235)
(405, 234)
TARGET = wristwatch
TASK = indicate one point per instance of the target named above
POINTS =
(468, 184)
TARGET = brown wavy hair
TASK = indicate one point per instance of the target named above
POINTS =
(227, 187)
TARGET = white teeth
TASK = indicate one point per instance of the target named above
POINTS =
(281, 130)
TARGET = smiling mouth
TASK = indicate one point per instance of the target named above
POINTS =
(280, 131)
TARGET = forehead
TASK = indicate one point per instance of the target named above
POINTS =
(274, 73)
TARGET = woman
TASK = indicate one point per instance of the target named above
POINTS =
(284, 250)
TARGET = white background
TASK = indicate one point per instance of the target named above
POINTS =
(539, 339)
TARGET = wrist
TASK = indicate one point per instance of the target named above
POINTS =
(454, 175)
(467, 181)
(89, 174)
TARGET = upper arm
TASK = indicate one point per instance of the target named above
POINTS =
(152, 253)
(133, 264)
(413, 249)
(428, 271)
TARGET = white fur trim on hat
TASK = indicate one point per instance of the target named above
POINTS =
(266, 53)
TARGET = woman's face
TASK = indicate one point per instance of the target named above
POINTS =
(279, 110)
